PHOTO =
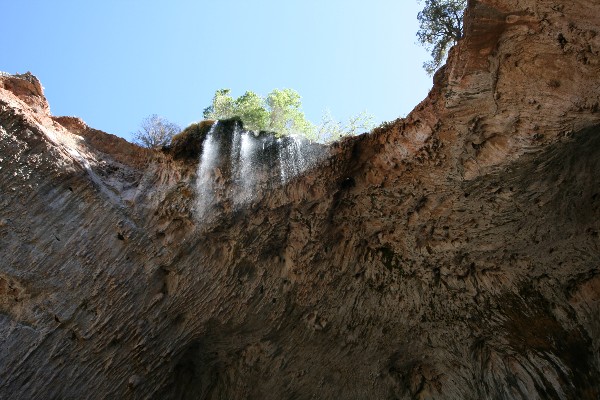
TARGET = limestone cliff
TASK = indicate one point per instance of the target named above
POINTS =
(453, 254)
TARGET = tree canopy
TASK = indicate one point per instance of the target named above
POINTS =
(281, 112)
(286, 115)
(440, 27)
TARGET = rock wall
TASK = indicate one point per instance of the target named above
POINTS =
(453, 254)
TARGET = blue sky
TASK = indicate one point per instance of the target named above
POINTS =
(112, 63)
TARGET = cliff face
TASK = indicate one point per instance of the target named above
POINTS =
(453, 254)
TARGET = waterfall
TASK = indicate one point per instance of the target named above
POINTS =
(248, 170)
(234, 160)
(244, 174)
(238, 166)
(206, 182)
(293, 154)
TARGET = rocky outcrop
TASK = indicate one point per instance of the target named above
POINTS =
(450, 255)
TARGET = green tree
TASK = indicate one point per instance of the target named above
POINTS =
(222, 106)
(280, 112)
(285, 114)
(251, 109)
(440, 27)
(155, 132)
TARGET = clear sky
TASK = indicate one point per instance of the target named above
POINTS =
(114, 62)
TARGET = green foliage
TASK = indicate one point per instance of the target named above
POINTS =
(285, 114)
(251, 110)
(440, 27)
(281, 112)
(222, 106)
(155, 132)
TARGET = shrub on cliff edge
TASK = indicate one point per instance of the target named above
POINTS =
(188, 143)
(155, 132)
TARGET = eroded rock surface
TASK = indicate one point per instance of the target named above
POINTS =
(453, 254)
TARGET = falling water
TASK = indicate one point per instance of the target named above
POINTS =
(248, 171)
(243, 173)
(206, 185)
(282, 163)
(288, 166)
(292, 157)
(234, 152)
(247, 167)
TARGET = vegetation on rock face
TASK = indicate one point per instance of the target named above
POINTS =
(155, 132)
(331, 129)
(188, 143)
(440, 27)
(286, 115)
(281, 112)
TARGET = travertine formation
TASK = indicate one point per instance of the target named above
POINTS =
(454, 254)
